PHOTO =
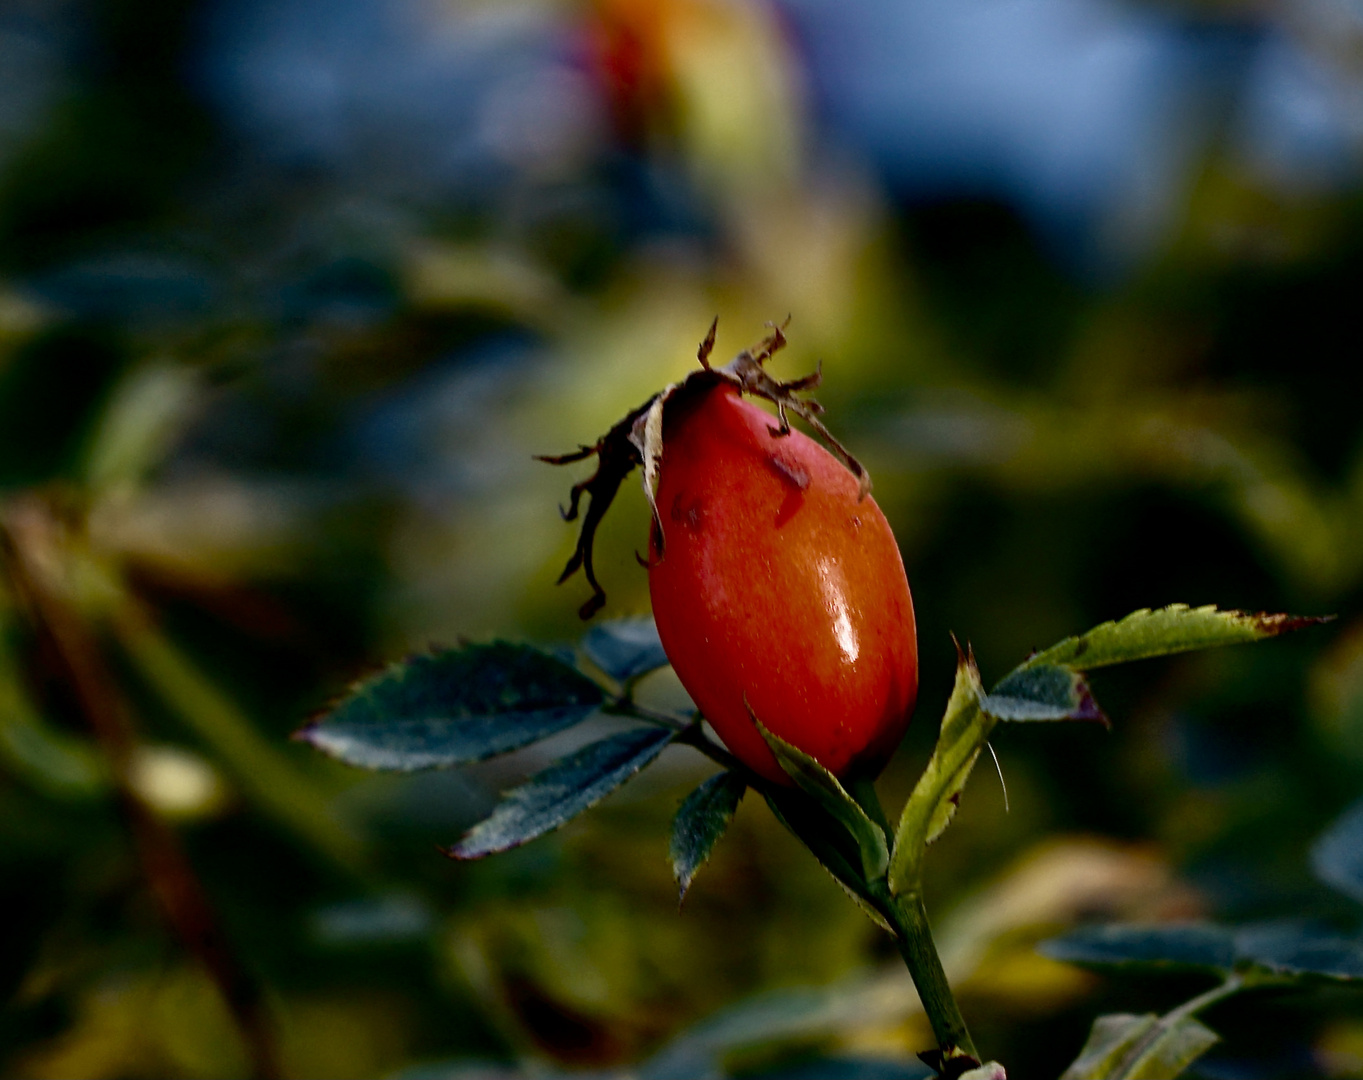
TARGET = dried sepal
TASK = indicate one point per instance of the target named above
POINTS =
(638, 440)
(616, 456)
(646, 434)
(747, 372)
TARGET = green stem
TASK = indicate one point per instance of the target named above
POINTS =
(909, 918)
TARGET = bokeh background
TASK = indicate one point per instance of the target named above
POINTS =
(291, 291)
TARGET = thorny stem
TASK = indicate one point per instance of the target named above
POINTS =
(689, 733)
(694, 736)
(955, 1049)
(905, 913)
(629, 707)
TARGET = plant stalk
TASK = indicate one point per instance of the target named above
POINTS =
(909, 918)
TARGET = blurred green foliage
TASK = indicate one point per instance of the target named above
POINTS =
(265, 426)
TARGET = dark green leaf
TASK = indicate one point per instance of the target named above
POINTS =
(454, 707)
(829, 842)
(562, 791)
(701, 821)
(1126, 1047)
(1174, 629)
(816, 781)
(1300, 951)
(1044, 692)
(625, 648)
(1337, 856)
(1188, 947)
(1277, 951)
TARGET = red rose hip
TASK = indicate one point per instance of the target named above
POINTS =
(777, 590)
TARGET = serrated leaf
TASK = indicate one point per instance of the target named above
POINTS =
(700, 822)
(1300, 952)
(625, 648)
(562, 791)
(950, 802)
(830, 844)
(1174, 629)
(454, 707)
(1337, 856)
(1043, 692)
(821, 785)
(933, 803)
(1125, 1047)
(1185, 947)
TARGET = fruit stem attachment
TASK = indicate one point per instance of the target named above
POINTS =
(956, 1051)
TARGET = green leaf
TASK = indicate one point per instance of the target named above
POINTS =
(829, 842)
(562, 791)
(1274, 952)
(821, 785)
(454, 707)
(1043, 692)
(1290, 951)
(950, 801)
(1184, 947)
(933, 802)
(700, 822)
(1337, 856)
(625, 648)
(1174, 629)
(1125, 1047)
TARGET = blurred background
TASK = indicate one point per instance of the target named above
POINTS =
(291, 291)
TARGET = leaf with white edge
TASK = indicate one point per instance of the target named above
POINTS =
(1296, 952)
(562, 791)
(1337, 856)
(454, 707)
(820, 784)
(625, 648)
(1044, 692)
(1174, 629)
(1126, 1047)
(700, 822)
(1182, 947)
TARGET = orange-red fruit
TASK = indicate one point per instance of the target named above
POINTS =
(777, 590)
